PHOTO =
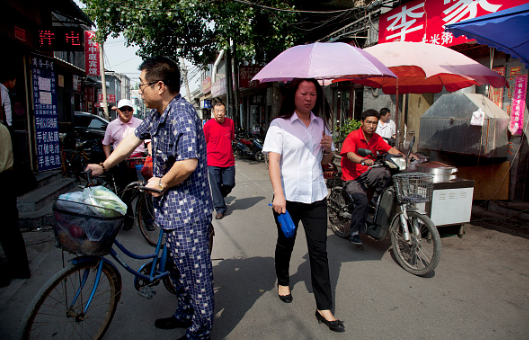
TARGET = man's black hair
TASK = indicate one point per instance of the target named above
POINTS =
(219, 103)
(7, 74)
(370, 113)
(164, 69)
(384, 111)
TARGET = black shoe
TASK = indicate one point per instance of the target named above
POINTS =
(171, 323)
(184, 338)
(335, 326)
(149, 226)
(356, 240)
(24, 274)
(128, 225)
(286, 298)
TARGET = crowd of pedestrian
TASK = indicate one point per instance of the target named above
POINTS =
(194, 171)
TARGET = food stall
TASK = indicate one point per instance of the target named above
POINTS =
(460, 129)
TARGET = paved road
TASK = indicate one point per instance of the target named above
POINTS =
(480, 289)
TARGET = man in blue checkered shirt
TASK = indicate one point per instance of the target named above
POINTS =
(184, 207)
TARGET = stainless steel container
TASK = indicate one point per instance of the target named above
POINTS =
(442, 172)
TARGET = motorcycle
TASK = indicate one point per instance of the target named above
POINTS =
(414, 237)
(258, 149)
(248, 147)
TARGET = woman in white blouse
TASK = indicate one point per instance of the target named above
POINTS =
(297, 142)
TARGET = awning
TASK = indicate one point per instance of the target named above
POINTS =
(507, 31)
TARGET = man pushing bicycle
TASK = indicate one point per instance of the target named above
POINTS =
(183, 206)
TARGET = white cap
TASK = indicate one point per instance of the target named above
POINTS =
(124, 102)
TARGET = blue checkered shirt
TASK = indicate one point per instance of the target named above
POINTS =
(177, 135)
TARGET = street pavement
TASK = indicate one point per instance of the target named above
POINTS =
(480, 290)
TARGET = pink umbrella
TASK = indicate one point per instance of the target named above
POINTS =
(325, 61)
(426, 68)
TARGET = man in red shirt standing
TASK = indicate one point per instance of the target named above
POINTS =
(356, 171)
(219, 133)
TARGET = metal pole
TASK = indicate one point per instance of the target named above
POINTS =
(103, 82)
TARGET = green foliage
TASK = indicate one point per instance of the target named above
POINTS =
(196, 29)
(346, 128)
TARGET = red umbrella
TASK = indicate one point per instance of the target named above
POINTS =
(427, 68)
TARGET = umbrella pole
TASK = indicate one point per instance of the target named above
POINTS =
(397, 139)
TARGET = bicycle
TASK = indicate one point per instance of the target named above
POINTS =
(414, 237)
(81, 300)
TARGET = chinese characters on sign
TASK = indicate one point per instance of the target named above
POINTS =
(45, 109)
(518, 105)
(246, 75)
(111, 98)
(91, 51)
(60, 39)
(424, 21)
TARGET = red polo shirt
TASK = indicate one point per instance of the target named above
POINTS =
(354, 141)
(218, 139)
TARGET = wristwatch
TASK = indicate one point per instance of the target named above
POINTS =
(160, 185)
(363, 162)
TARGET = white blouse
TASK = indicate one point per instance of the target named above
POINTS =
(301, 155)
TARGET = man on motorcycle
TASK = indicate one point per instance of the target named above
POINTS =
(356, 171)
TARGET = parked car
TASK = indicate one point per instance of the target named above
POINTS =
(90, 126)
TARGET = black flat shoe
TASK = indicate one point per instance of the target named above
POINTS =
(171, 323)
(286, 298)
(335, 326)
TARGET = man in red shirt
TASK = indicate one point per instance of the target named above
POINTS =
(356, 171)
(219, 133)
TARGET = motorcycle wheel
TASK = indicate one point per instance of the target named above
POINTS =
(422, 253)
(237, 153)
(259, 156)
(337, 204)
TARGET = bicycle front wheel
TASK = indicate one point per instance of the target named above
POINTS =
(58, 310)
(337, 205)
(422, 253)
(145, 219)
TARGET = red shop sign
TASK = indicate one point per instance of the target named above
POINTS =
(424, 21)
(92, 65)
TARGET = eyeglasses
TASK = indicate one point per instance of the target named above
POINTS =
(148, 84)
(127, 108)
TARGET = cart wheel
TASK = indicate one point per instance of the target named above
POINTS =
(461, 231)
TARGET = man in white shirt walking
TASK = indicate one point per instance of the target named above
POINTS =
(8, 80)
(386, 128)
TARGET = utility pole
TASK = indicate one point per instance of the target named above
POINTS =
(186, 82)
(103, 82)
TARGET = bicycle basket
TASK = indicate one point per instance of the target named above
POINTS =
(413, 187)
(85, 229)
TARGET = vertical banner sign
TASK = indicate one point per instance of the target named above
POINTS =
(91, 54)
(45, 109)
(496, 94)
(518, 105)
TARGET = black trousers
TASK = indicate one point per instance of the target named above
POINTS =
(314, 219)
(376, 178)
(10, 234)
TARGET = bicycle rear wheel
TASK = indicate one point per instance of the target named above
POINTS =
(57, 311)
(145, 219)
(337, 206)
